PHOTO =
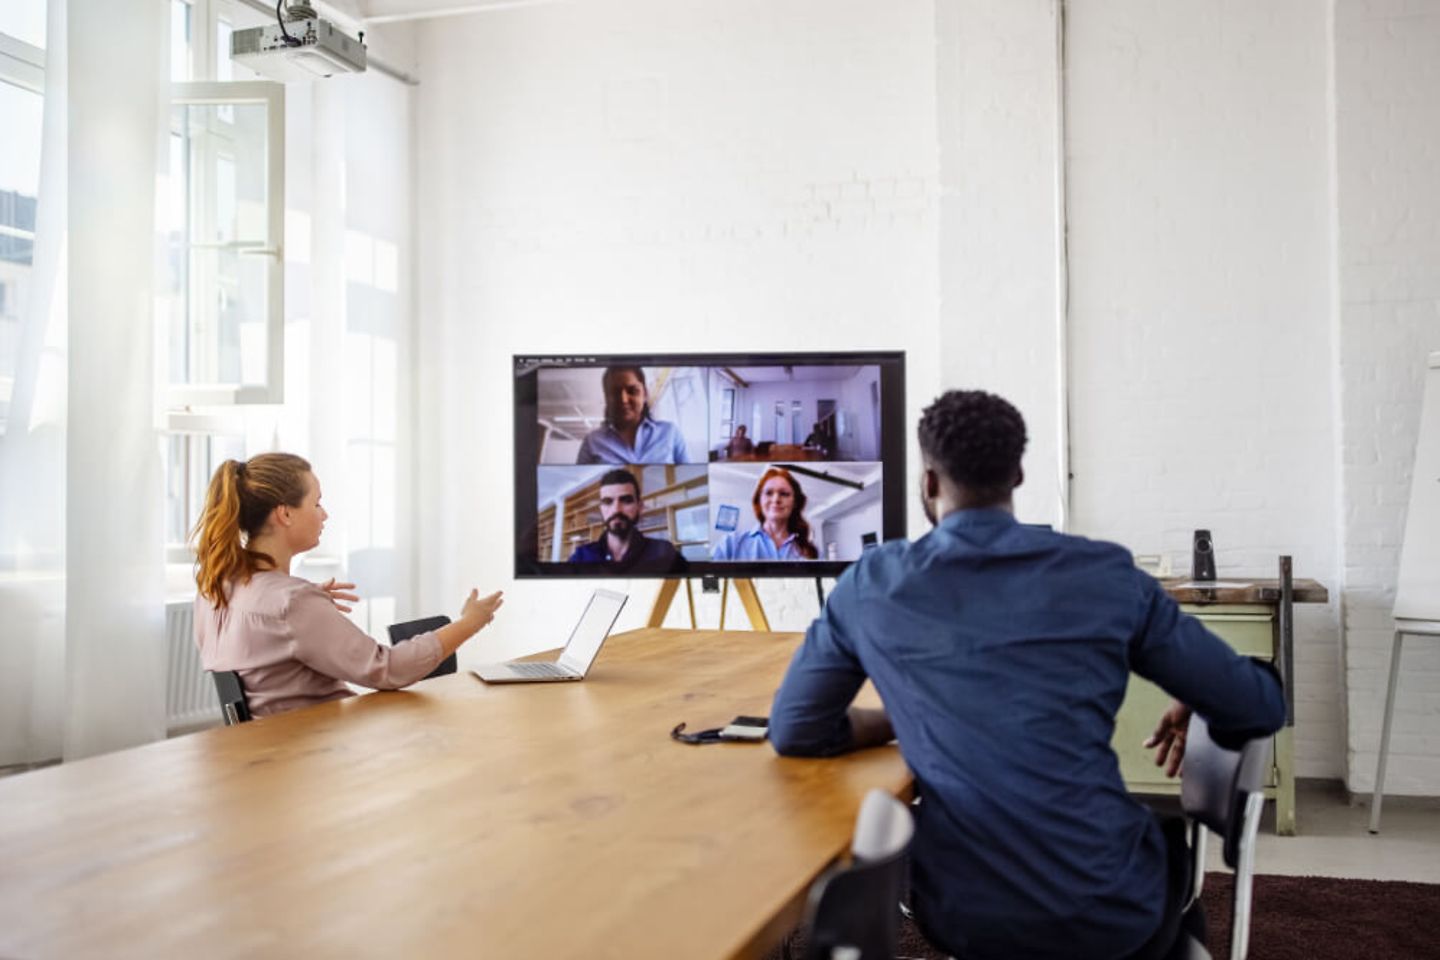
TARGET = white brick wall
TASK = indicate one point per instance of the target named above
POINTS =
(999, 215)
(680, 174)
(1200, 301)
(1387, 139)
(658, 175)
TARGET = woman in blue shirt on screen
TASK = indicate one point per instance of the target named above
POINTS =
(783, 533)
(630, 434)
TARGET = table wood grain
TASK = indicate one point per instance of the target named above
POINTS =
(451, 819)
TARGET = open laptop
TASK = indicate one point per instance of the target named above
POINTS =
(580, 650)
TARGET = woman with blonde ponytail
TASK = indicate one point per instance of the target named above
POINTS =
(288, 638)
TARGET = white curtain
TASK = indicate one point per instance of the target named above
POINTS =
(82, 667)
(114, 590)
(32, 463)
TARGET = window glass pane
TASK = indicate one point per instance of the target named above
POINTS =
(24, 20)
(223, 64)
(181, 63)
(223, 70)
(190, 461)
(222, 284)
(692, 524)
(172, 220)
(20, 119)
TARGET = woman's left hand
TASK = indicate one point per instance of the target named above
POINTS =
(339, 592)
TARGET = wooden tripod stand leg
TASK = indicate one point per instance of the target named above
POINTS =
(751, 601)
(662, 603)
(744, 588)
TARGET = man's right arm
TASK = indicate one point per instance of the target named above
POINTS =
(811, 715)
(1239, 697)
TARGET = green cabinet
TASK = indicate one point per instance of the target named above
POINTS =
(1249, 629)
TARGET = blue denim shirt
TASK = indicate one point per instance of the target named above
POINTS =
(755, 545)
(656, 441)
(1002, 653)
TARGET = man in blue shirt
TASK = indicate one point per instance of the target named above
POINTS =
(622, 543)
(1002, 653)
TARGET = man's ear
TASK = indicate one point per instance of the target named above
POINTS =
(1019, 476)
(930, 483)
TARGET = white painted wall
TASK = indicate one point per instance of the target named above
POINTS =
(1200, 258)
(1000, 292)
(1252, 276)
(655, 175)
(1387, 132)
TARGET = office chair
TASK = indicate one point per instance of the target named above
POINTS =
(853, 912)
(1222, 790)
(400, 632)
(233, 708)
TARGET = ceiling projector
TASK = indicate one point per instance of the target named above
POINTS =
(297, 46)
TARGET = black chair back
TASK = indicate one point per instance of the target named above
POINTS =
(854, 910)
(400, 632)
(233, 708)
(1217, 784)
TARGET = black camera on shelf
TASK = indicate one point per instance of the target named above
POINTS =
(1202, 563)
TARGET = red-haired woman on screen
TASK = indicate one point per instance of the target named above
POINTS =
(287, 637)
(783, 534)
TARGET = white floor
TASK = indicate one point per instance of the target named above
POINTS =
(1333, 839)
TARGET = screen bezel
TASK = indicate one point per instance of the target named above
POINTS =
(893, 435)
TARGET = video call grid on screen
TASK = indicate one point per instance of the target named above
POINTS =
(706, 436)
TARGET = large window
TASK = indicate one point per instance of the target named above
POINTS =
(222, 212)
(219, 285)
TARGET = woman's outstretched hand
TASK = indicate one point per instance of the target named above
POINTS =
(478, 611)
(340, 592)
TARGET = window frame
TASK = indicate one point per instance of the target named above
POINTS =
(22, 64)
(271, 95)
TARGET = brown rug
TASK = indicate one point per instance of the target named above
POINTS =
(1296, 918)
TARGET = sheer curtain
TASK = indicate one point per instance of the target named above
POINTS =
(82, 667)
(32, 463)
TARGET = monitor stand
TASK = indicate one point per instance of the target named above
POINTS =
(744, 586)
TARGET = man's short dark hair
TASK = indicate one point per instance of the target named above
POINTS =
(613, 477)
(976, 439)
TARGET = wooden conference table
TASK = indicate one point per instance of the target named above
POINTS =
(452, 819)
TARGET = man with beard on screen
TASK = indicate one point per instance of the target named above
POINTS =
(622, 544)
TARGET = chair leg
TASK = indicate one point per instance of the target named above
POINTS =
(1197, 866)
(1379, 793)
(1244, 877)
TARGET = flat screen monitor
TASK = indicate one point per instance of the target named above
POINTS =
(688, 464)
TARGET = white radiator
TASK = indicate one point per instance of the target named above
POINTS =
(190, 699)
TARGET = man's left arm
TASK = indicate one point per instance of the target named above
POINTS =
(1240, 697)
(812, 714)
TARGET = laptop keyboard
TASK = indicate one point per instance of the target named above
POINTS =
(538, 670)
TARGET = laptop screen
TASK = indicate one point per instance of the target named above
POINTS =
(594, 626)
